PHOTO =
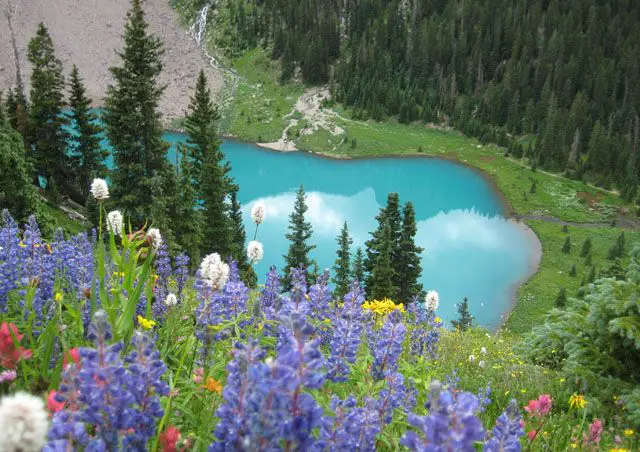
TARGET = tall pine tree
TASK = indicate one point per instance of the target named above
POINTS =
(300, 231)
(357, 270)
(143, 184)
(238, 240)
(407, 263)
(342, 269)
(381, 284)
(465, 319)
(211, 173)
(87, 154)
(47, 136)
(389, 217)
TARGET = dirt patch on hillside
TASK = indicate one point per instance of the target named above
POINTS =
(487, 158)
(591, 199)
(89, 33)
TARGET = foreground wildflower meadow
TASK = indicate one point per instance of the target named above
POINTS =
(107, 343)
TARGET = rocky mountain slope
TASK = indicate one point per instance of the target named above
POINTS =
(88, 33)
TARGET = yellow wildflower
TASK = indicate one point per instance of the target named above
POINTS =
(146, 323)
(328, 321)
(382, 307)
(213, 385)
(573, 445)
(22, 245)
(618, 449)
(628, 432)
(577, 401)
(437, 320)
(58, 297)
(562, 380)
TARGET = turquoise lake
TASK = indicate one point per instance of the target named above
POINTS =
(471, 250)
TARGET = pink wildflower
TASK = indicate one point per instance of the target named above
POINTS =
(532, 434)
(198, 374)
(169, 439)
(52, 404)
(595, 432)
(10, 354)
(8, 376)
(540, 407)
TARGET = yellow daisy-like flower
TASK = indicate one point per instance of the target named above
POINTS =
(628, 432)
(58, 297)
(213, 385)
(146, 323)
(618, 449)
(577, 401)
(382, 307)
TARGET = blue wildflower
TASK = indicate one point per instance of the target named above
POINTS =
(450, 425)
(387, 345)
(507, 432)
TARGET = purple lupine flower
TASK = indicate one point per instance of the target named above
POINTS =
(320, 296)
(346, 336)
(507, 432)
(217, 307)
(452, 380)
(266, 406)
(387, 345)
(450, 425)
(233, 423)
(181, 273)
(351, 428)
(425, 333)
(109, 405)
(296, 300)
(394, 395)
(271, 299)
(9, 258)
(163, 269)
(145, 385)
(484, 398)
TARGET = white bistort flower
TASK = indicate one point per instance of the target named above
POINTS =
(472, 358)
(432, 300)
(214, 272)
(99, 189)
(23, 423)
(483, 350)
(481, 363)
(115, 222)
(171, 300)
(258, 212)
(255, 251)
(153, 234)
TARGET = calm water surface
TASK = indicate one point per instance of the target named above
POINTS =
(470, 248)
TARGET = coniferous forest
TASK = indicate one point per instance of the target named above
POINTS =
(563, 76)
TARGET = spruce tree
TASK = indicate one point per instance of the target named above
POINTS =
(142, 180)
(389, 216)
(357, 270)
(187, 215)
(407, 263)
(87, 154)
(17, 192)
(617, 249)
(592, 274)
(588, 259)
(586, 247)
(465, 319)
(47, 137)
(561, 299)
(211, 173)
(342, 269)
(238, 240)
(382, 276)
(300, 231)
(574, 271)
(566, 248)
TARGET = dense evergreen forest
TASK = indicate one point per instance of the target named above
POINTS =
(554, 81)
